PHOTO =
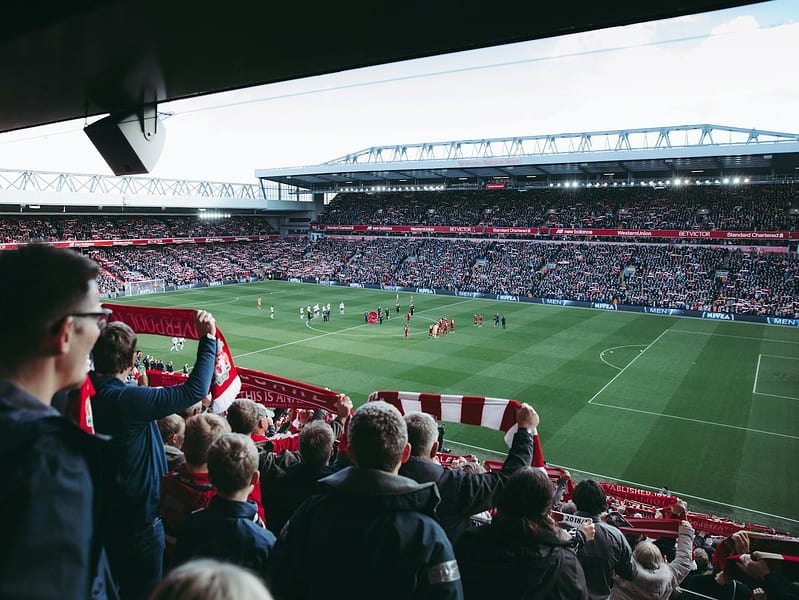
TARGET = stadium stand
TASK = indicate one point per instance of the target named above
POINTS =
(746, 208)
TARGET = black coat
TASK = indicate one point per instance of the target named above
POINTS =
(54, 479)
(370, 535)
(498, 564)
(464, 494)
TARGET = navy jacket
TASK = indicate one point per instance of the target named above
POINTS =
(128, 414)
(465, 494)
(381, 527)
(53, 477)
(228, 531)
(502, 564)
(282, 495)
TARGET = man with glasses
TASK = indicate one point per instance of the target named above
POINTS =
(50, 469)
(129, 414)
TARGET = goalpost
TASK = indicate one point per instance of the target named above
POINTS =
(147, 286)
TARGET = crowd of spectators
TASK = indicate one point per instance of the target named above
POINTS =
(59, 228)
(738, 208)
(704, 278)
(86, 512)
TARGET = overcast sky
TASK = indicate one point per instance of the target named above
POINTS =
(734, 67)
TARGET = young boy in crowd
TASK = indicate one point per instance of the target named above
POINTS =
(229, 529)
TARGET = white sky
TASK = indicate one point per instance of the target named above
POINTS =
(734, 67)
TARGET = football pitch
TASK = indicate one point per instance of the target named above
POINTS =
(709, 409)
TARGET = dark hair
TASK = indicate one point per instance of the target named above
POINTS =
(113, 350)
(523, 505)
(243, 416)
(316, 443)
(589, 497)
(41, 284)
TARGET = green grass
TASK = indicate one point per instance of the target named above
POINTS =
(708, 408)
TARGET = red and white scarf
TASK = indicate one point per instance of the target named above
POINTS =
(229, 382)
(494, 413)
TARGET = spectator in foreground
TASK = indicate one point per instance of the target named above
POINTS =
(609, 552)
(522, 553)
(464, 494)
(128, 414)
(229, 528)
(655, 578)
(51, 470)
(379, 522)
(205, 578)
(284, 494)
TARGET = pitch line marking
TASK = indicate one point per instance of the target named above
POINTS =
(314, 337)
(700, 421)
(602, 354)
(742, 337)
(775, 396)
(757, 373)
(640, 354)
(632, 483)
(295, 342)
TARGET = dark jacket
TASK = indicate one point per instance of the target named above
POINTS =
(128, 414)
(608, 553)
(228, 531)
(283, 495)
(499, 564)
(465, 494)
(373, 534)
(53, 478)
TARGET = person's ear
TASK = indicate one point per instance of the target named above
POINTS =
(60, 338)
(256, 477)
(434, 449)
(406, 453)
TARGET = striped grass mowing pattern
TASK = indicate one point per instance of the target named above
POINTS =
(708, 408)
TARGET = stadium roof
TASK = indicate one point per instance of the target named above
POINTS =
(695, 151)
(68, 60)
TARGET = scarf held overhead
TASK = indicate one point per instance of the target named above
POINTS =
(493, 413)
(179, 322)
(229, 381)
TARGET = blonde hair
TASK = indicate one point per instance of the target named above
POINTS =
(232, 460)
(206, 578)
(201, 431)
(648, 555)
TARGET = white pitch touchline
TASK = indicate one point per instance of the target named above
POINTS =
(616, 348)
(633, 483)
(775, 396)
(313, 337)
(742, 337)
(757, 373)
(647, 412)
(604, 387)
(785, 357)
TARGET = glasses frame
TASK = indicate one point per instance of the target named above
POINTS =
(102, 316)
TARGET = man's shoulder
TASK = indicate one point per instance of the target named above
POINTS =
(422, 470)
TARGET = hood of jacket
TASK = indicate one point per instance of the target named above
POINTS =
(393, 492)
